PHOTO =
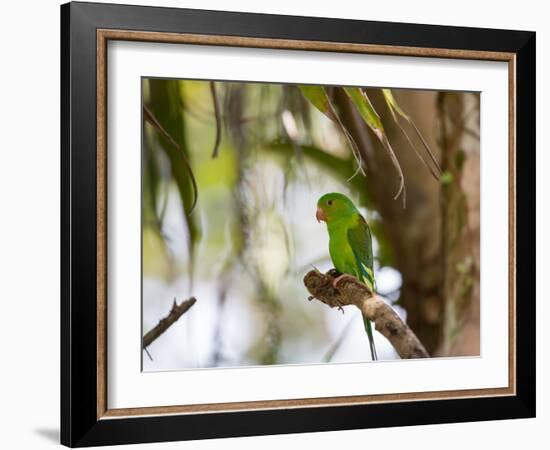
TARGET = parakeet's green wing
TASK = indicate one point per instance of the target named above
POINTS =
(360, 239)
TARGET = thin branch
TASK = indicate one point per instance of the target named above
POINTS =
(386, 320)
(175, 313)
(148, 354)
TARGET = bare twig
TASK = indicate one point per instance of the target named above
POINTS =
(386, 320)
(175, 313)
(148, 354)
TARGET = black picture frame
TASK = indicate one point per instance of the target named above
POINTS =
(80, 425)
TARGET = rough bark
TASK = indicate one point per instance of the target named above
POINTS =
(460, 226)
(351, 292)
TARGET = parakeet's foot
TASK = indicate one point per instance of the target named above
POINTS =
(340, 278)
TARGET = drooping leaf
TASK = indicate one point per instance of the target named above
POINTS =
(366, 110)
(165, 113)
(155, 186)
(217, 115)
(151, 118)
(371, 118)
(151, 183)
(393, 105)
(396, 110)
(318, 97)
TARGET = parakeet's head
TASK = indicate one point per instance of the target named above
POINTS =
(334, 206)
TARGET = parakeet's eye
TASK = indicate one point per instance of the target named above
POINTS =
(329, 203)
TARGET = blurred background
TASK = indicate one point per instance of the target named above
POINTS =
(231, 175)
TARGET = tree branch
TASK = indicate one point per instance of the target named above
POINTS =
(386, 320)
(175, 313)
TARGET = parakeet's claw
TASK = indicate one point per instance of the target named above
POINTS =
(311, 297)
(340, 278)
(334, 273)
(341, 309)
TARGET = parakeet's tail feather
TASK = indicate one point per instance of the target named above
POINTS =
(368, 329)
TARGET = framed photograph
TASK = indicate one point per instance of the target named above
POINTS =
(276, 224)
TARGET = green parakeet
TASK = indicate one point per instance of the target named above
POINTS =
(350, 244)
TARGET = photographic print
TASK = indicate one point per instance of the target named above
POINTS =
(264, 205)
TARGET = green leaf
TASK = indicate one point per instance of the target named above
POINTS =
(179, 156)
(369, 115)
(156, 256)
(318, 97)
(164, 112)
(151, 183)
(366, 110)
(217, 115)
(393, 105)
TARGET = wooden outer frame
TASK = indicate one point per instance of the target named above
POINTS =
(86, 420)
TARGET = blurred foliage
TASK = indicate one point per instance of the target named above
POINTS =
(225, 168)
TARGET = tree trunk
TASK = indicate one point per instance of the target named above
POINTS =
(460, 231)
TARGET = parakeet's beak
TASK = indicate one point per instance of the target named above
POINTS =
(320, 215)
